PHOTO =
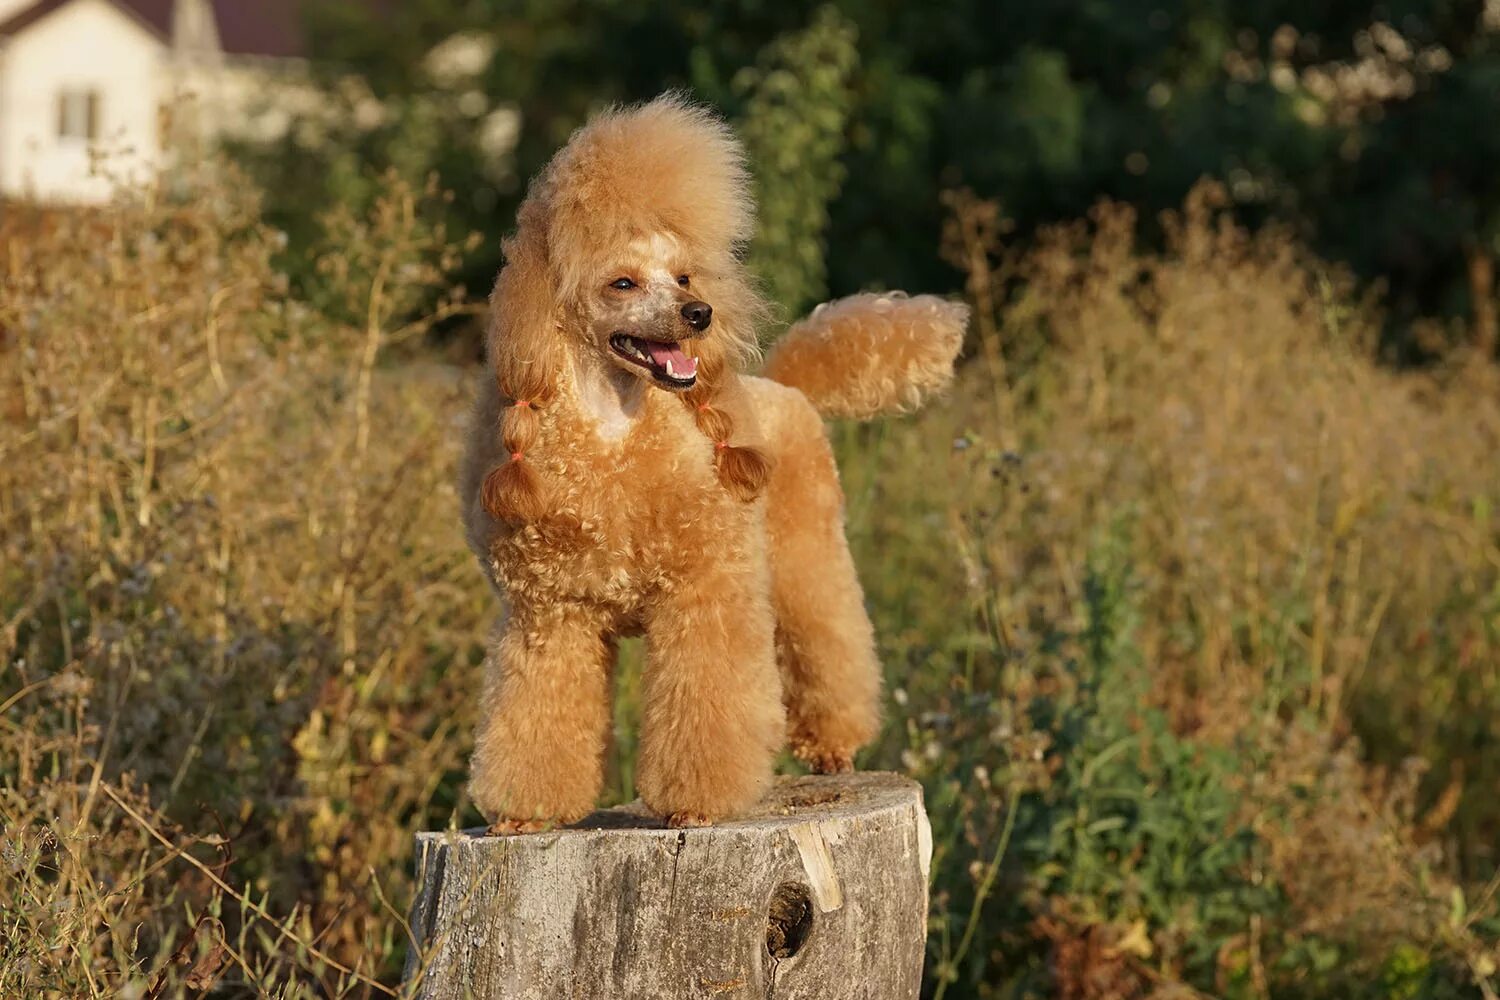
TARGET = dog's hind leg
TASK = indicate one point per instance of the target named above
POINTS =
(538, 756)
(711, 713)
(824, 641)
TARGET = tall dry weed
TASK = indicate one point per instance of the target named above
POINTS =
(1305, 588)
(232, 595)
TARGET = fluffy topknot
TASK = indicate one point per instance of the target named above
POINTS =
(667, 166)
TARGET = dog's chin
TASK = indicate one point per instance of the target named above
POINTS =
(663, 363)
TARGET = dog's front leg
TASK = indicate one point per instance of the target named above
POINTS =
(712, 718)
(538, 755)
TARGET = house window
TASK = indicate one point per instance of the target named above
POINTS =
(78, 114)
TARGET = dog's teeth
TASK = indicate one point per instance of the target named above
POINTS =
(670, 372)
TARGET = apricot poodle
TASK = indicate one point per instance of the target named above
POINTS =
(626, 476)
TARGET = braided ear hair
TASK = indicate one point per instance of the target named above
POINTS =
(739, 310)
(742, 470)
(523, 353)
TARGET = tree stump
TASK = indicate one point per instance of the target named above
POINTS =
(820, 893)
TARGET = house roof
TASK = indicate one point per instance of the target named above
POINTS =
(263, 28)
(27, 16)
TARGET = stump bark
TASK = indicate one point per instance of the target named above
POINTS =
(820, 893)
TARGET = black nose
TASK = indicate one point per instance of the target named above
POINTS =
(698, 315)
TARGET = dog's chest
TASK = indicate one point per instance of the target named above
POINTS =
(647, 493)
(631, 512)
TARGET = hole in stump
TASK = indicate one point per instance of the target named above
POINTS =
(790, 920)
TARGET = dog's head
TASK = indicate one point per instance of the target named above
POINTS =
(630, 242)
(627, 251)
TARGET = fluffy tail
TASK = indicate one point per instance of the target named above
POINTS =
(870, 354)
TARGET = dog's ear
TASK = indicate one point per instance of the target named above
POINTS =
(523, 341)
(523, 348)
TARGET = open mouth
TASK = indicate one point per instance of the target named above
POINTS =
(664, 359)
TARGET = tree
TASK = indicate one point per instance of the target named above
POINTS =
(1367, 127)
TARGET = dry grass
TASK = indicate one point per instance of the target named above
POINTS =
(231, 583)
(1190, 610)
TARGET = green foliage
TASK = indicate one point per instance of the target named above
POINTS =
(1364, 127)
(1112, 819)
(798, 100)
(1140, 823)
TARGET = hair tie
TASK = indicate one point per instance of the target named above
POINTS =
(522, 403)
(721, 445)
(515, 456)
(703, 407)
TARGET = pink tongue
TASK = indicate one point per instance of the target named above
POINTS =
(682, 365)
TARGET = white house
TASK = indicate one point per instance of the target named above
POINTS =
(80, 77)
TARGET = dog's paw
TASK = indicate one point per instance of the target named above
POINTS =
(832, 762)
(821, 760)
(515, 827)
(687, 820)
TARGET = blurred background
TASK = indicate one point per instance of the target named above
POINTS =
(1188, 593)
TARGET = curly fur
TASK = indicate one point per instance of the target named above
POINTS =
(708, 520)
(870, 354)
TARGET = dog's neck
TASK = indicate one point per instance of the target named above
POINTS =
(611, 398)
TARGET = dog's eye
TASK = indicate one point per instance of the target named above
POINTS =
(682, 280)
(623, 284)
